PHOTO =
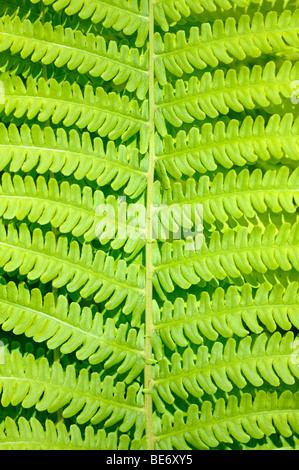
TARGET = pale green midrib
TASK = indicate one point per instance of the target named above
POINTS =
(71, 102)
(225, 419)
(79, 266)
(235, 87)
(230, 38)
(230, 141)
(223, 365)
(75, 393)
(220, 253)
(71, 326)
(139, 70)
(97, 159)
(226, 311)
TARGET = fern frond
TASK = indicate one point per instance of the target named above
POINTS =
(235, 143)
(69, 208)
(233, 256)
(224, 41)
(31, 382)
(65, 206)
(32, 148)
(234, 195)
(169, 12)
(126, 16)
(106, 113)
(230, 421)
(32, 434)
(236, 311)
(70, 327)
(254, 360)
(100, 276)
(149, 227)
(85, 53)
(219, 93)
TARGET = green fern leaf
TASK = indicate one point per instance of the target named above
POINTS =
(236, 143)
(225, 366)
(216, 94)
(123, 16)
(28, 149)
(32, 383)
(225, 313)
(105, 113)
(69, 327)
(85, 53)
(34, 435)
(231, 257)
(224, 42)
(149, 229)
(168, 12)
(237, 195)
(98, 276)
(65, 207)
(262, 416)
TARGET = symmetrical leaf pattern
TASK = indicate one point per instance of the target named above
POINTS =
(176, 120)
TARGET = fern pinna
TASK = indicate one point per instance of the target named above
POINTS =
(137, 338)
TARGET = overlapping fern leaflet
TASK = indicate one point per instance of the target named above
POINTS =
(150, 342)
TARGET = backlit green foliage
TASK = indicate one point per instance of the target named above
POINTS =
(125, 343)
